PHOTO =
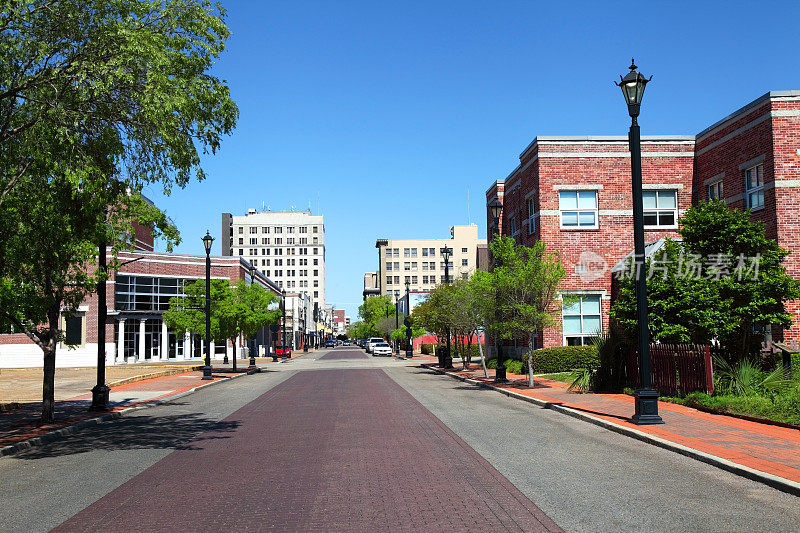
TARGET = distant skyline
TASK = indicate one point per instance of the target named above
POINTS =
(393, 120)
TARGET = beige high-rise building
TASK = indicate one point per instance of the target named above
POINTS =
(420, 260)
(288, 247)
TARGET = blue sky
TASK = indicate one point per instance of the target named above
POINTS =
(386, 117)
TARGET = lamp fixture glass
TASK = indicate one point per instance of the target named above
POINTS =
(207, 240)
(496, 207)
(633, 85)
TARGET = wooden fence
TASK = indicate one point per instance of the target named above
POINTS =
(675, 368)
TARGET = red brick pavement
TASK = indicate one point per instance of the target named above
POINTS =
(22, 423)
(764, 447)
(350, 450)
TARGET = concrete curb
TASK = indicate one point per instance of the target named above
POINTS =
(74, 428)
(776, 482)
(160, 374)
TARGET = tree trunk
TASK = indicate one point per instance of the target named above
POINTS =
(530, 362)
(49, 367)
(483, 359)
(233, 342)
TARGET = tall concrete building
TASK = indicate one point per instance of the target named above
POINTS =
(288, 247)
(420, 262)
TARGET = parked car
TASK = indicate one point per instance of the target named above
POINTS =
(381, 349)
(330, 344)
(345, 343)
(283, 351)
(372, 341)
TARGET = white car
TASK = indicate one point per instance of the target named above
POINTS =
(381, 348)
(372, 342)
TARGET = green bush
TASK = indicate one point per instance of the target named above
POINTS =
(514, 366)
(491, 363)
(426, 349)
(564, 359)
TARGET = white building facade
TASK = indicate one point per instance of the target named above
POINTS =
(287, 247)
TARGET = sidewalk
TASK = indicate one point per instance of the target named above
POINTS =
(21, 420)
(765, 452)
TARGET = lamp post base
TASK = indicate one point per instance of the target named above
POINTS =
(252, 362)
(448, 362)
(207, 372)
(225, 360)
(100, 400)
(500, 375)
(646, 407)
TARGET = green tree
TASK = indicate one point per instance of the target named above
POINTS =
(742, 284)
(373, 311)
(187, 313)
(526, 280)
(247, 308)
(98, 98)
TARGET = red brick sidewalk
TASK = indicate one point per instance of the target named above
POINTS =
(766, 448)
(22, 423)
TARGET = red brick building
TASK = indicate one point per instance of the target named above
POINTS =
(136, 297)
(574, 192)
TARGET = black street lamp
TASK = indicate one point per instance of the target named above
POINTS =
(283, 329)
(396, 325)
(447, 360)
(255, 344)
(407, 322)
(207, 241)
(496, 208)
(645, 398)
(100, 392)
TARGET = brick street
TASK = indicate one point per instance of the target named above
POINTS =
(341, 441)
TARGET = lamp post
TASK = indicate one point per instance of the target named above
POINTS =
(101, 391)
(407, 322)
(496, 208)
(283, 329)
(207, 241)
(253, 352)
(645, 398)
(447, 360)
(396, 325)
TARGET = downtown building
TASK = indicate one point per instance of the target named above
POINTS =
(574, 192)
(137, 295)
(288, 247)
(419, 262)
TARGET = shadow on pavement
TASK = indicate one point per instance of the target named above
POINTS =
(180, 432)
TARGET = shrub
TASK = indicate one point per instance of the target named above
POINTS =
(564, 359)
(491, 363)
(514, 366)
(426, 349)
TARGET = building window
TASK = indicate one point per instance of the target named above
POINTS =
(316, 229)
(316, 272)
(754, 186)
(432, 252)
(407, 265)
(73, 330)
(253, 240)
(406, 252)
(316, 283)
(424, 280)
(413, 252)
(316, 262)
(241, 241)
(316, 251)
(241, 230)
(290, 229)
(424, 252)
(424, 265)
(660, 208)
(265, 229)
(278, 230)
(408, 279)
(253, 229)
(582, 320)
(463, 250)
(465, 262)
(396, 280)
(530, 222)
(241, 252)
(388, 265)
(414, 280)
(413, 265)
(578, 209)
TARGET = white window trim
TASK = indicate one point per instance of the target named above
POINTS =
(659, 210)
(581, 294)
(748, 191)
(579, 227)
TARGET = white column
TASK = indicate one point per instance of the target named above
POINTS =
(211, 348)
(164, 347)
(187, 345)
(121, 341)
(141, 341)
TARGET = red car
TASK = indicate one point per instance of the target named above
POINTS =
(283, 351)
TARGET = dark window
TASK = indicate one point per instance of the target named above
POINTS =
(73, 330)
